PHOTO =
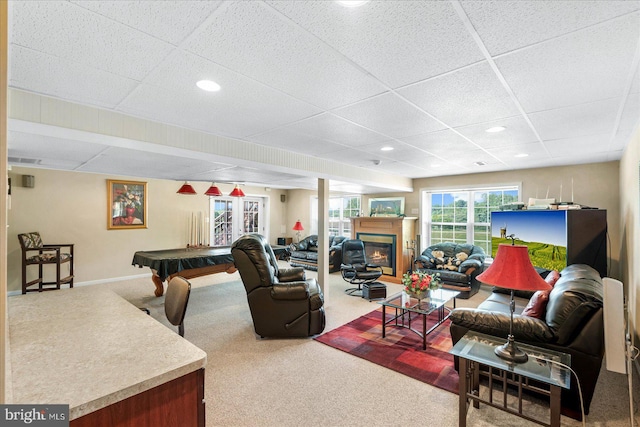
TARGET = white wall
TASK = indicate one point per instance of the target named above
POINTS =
(71, 207)
(630, 227)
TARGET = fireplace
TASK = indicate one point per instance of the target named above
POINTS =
(386, 242)
(380, 249)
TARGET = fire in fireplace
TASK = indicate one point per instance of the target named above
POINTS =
(380, 249)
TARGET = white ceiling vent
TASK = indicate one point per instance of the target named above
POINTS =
(22, 160)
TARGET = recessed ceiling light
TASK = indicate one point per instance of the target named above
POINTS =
(495, 129)
(387, 148)
(352, 3)
(522, 155)
(208, 85)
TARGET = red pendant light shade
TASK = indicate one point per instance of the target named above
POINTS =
(213, 191)
(237, 192)
(186, 189)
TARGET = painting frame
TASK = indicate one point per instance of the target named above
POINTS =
(386, 206)
(127, 203)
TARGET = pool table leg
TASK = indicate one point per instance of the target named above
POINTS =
(158, 282)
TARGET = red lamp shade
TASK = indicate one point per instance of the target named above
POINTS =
(298, 226)
(186, 189)
(237, 192)
(213, 191)
(512, 269)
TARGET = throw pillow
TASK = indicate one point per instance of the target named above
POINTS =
(537, 306)
(552, 277)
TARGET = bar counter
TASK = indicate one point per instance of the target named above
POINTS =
(91, 349)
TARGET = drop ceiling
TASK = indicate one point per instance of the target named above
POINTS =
(334, 84)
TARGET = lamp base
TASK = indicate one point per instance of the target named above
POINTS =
(510, 352)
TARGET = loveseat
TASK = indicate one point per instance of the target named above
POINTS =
(305, 253)
(572, 323)
(458, 266)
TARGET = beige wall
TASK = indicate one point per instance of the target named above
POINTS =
(299, 208)
(71, 207)
(630, 227)
(595, 185)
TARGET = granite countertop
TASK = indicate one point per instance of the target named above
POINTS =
(89, 348)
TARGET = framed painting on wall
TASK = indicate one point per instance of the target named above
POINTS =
(126, 204)
(391, 206)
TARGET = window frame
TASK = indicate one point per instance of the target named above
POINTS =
(341, 220)
(471, 224)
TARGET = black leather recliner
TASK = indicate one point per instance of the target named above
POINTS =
(283, 302)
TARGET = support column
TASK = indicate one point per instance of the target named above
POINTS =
(323, 234)
(4, 201)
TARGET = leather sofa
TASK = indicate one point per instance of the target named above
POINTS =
(305, 253)
(460, 277)
(283, 302)
(572, 324)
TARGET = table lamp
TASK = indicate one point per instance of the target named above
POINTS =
(512, 269)
(298, 227)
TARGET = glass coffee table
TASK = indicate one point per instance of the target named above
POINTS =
(409, 310)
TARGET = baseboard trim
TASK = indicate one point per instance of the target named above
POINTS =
(95, 282)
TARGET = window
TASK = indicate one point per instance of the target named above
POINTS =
(341, 209)
(232, 217)
(463, 216)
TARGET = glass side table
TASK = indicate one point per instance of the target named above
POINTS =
(476, 349)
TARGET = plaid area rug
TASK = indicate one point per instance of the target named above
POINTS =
(401, 349)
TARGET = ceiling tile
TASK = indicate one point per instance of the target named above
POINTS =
(401, 151)
(42, 73)
(236, 39)
(242, 107)
(336, 129)
(423, 39)
(65, 30)
(588, 145)
(584, 66)
(47, 150)
(128, 162)
(467, 96)
(507, 154)
(440, 143)
(350, 156)
(517, 131)
(504, 26)
(390, 115)
(580, 120)
(171, 21)
(288, 139)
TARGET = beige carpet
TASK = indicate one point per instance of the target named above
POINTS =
(295, 382)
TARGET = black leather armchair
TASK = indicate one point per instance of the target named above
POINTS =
(455, 274)
(283, 302)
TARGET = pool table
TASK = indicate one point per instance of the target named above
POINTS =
(189, 262)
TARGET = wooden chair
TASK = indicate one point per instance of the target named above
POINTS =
(44, 255)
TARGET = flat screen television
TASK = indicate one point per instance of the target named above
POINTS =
(543, 232)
